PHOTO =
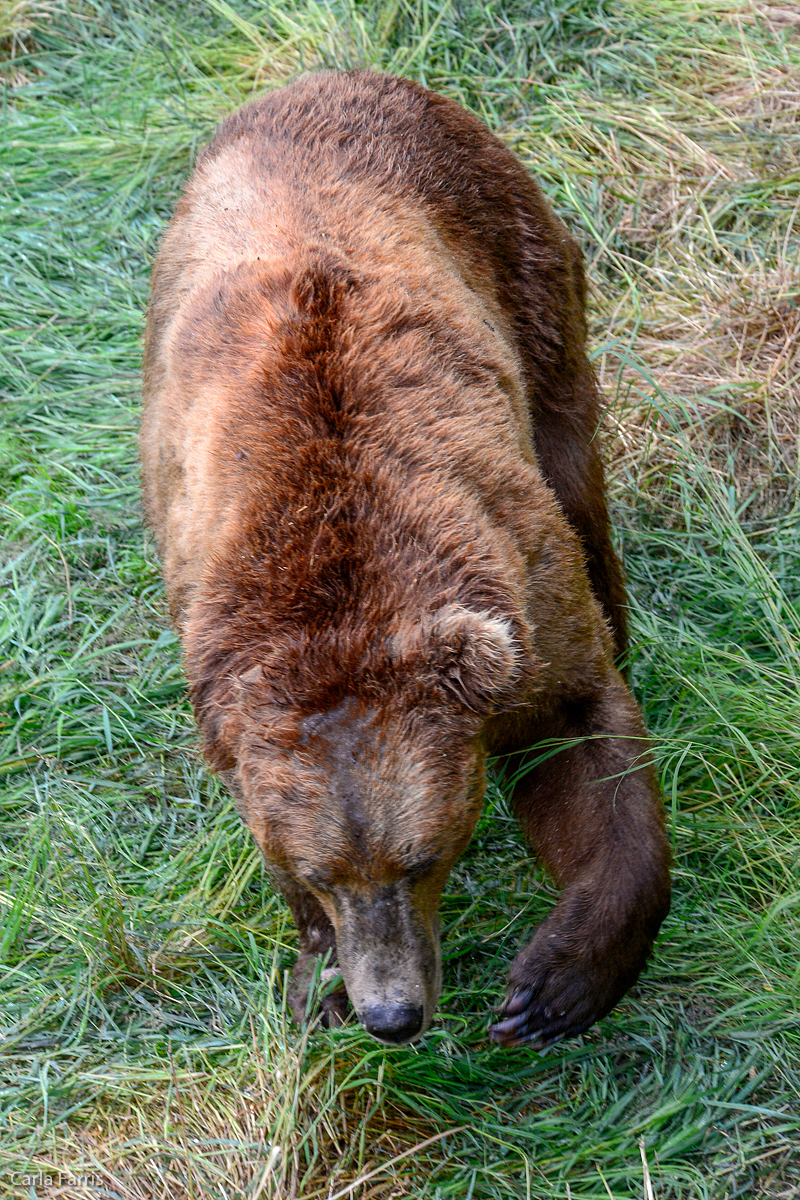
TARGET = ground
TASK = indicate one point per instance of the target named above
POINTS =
(147, 1049)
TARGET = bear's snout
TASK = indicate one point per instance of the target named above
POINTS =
(389, 954)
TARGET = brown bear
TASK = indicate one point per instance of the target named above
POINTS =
(371, 466)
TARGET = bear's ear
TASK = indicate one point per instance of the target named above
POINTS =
(478, 655)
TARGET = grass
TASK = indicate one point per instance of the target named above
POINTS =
(146, 1050)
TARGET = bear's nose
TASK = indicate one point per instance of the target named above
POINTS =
(392, 1022)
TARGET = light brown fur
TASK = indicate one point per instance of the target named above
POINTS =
(370, 464)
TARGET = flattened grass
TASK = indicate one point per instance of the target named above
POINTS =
(145, 1045)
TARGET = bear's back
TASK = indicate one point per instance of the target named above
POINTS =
(464, 288)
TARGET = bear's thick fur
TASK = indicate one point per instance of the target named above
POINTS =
(371, 466)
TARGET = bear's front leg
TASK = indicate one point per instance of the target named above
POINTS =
(594, 817)
(317, 959)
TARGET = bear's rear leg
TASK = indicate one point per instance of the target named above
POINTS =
(594, 817)
(317, 964)
(568, 454)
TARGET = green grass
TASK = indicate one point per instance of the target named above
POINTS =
(145, 1045)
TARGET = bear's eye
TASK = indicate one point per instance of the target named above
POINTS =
(312, 876)
(420, 866)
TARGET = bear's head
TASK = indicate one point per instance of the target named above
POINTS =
(367, 801)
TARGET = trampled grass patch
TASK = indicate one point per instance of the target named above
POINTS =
(146, 1050)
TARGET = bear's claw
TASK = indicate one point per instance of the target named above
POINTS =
(334, 1008)
(527, 1021)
